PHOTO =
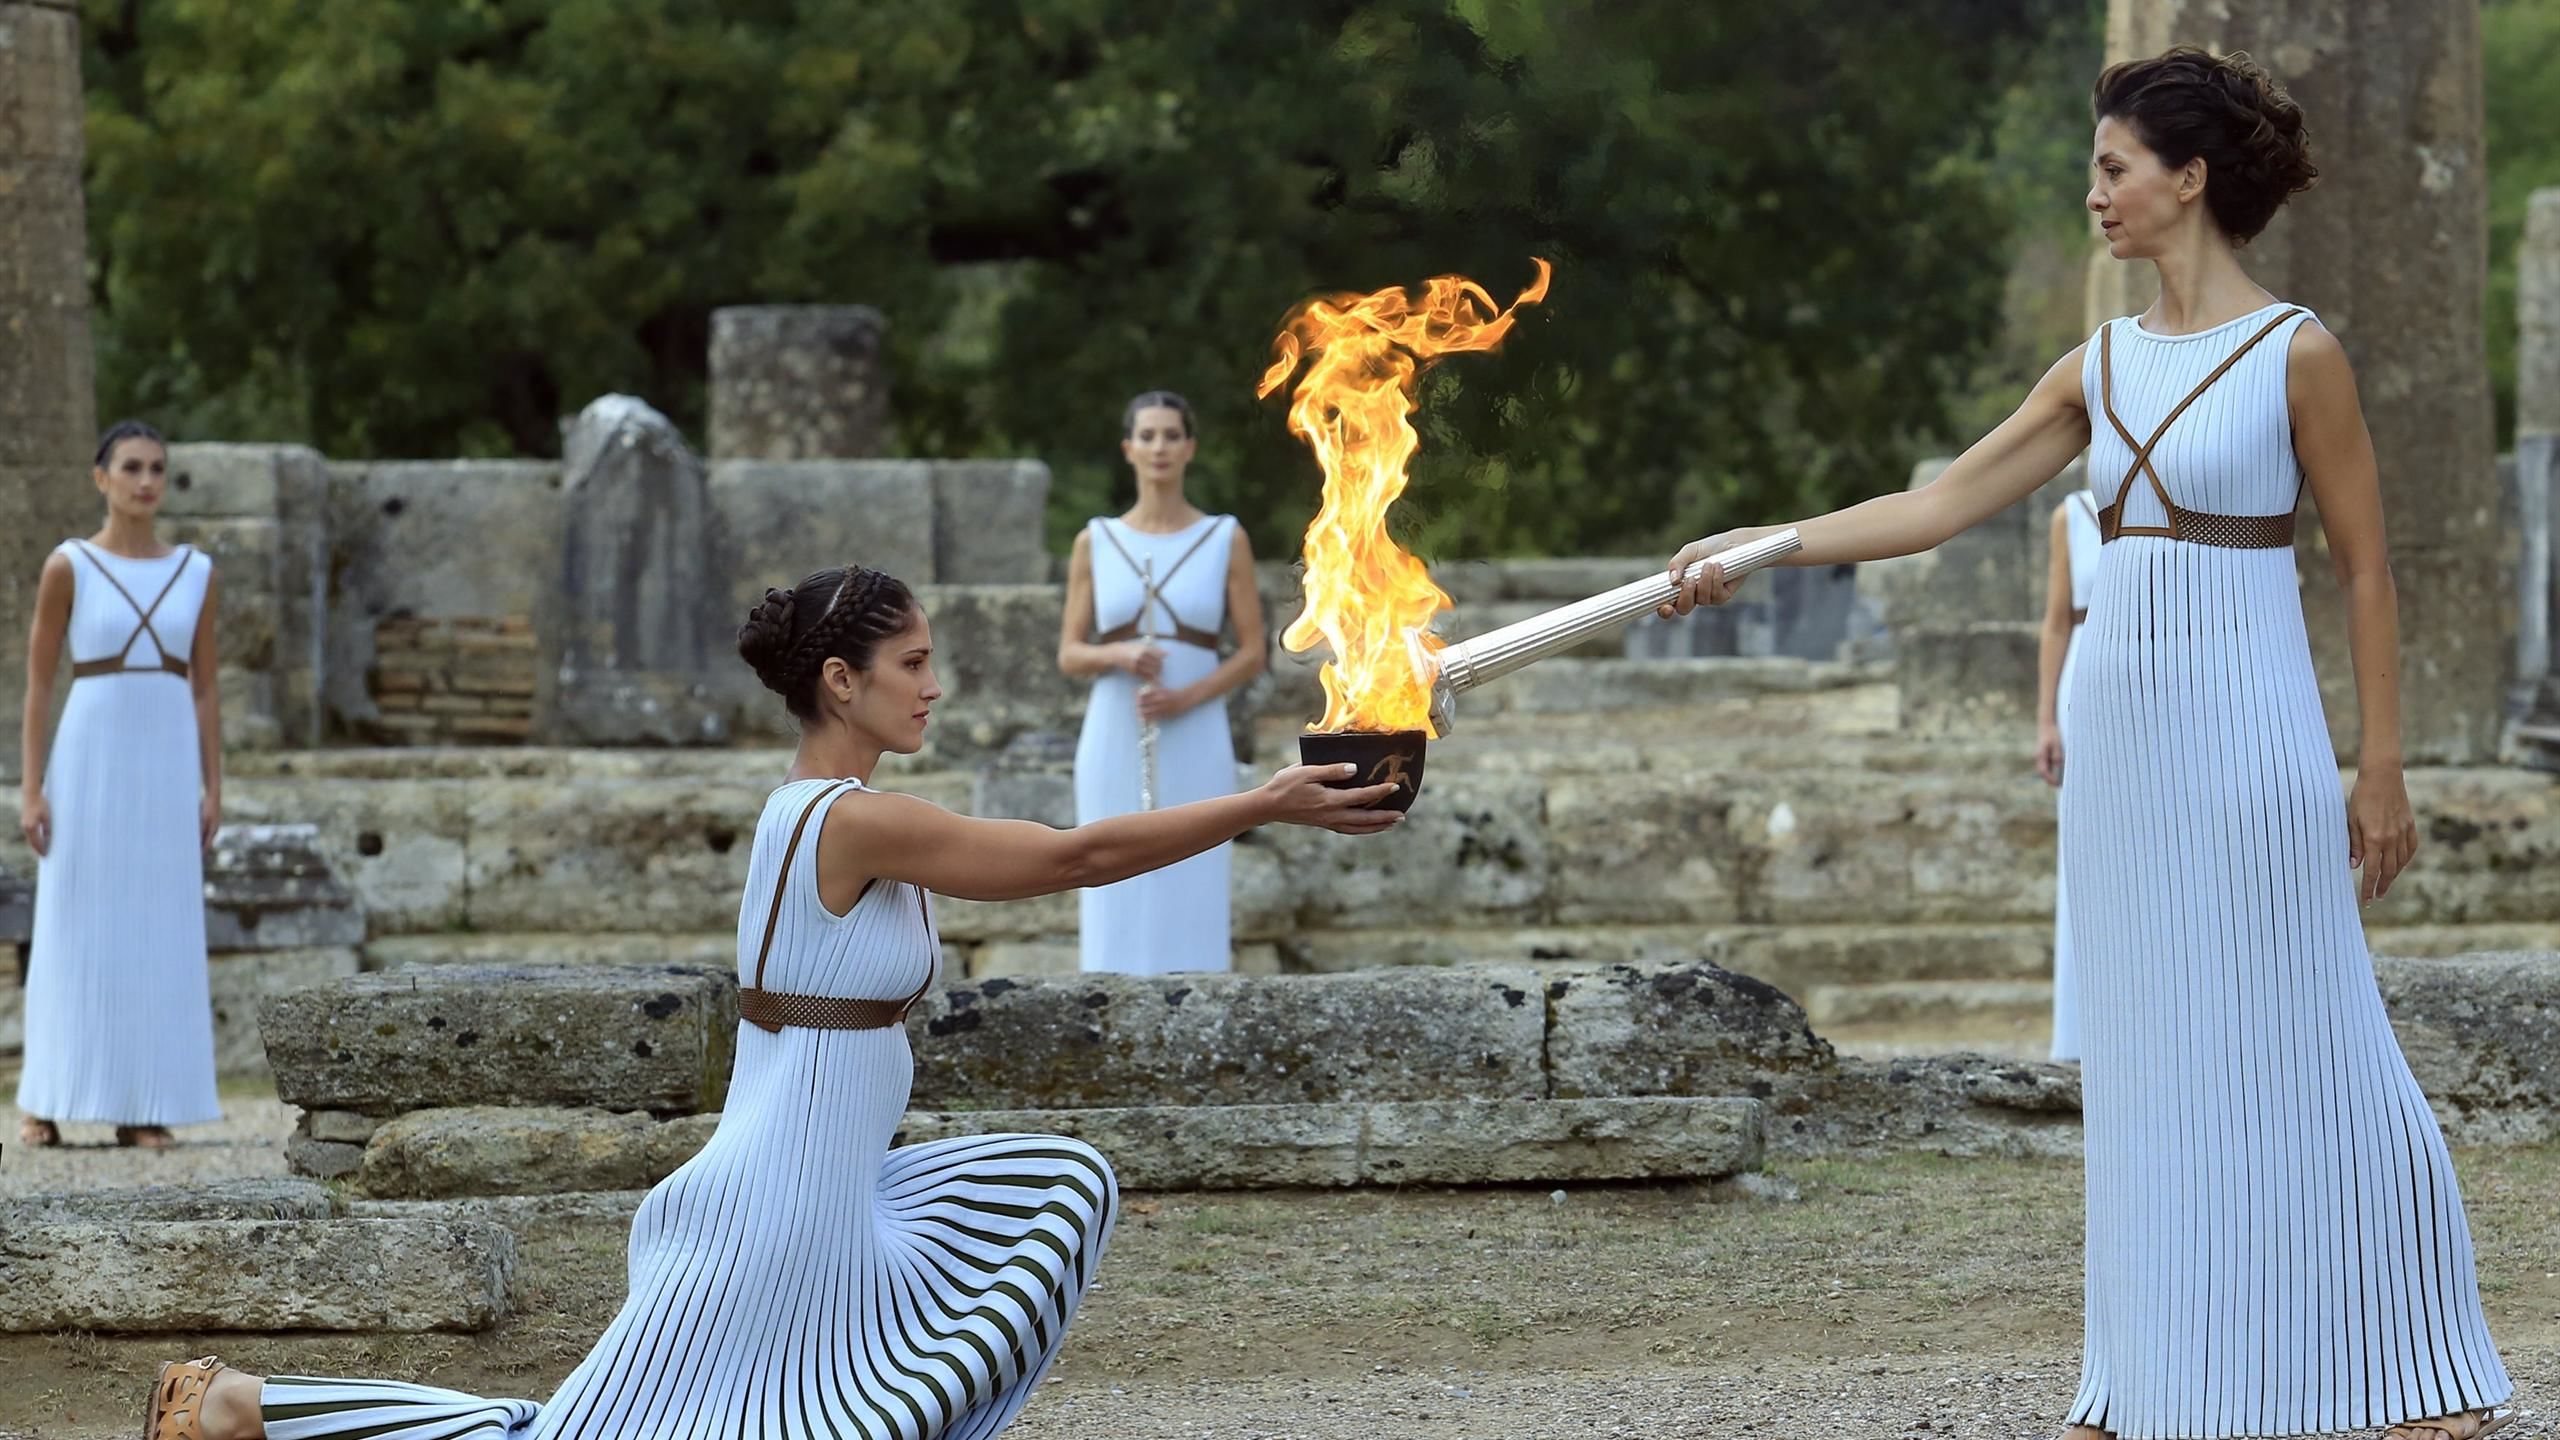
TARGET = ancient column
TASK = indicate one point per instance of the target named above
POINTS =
(798, 382)
(2537, 457)
(2391, 251)
(47, 408)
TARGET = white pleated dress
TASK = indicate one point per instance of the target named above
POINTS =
(1176, 918)
(2081, 548)
(2276, 1244)
(798, 1279)
(119, 1011)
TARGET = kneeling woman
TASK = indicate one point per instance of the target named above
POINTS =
(799, 1277)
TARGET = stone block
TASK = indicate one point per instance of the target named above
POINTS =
(654, 1038)
(524, 1150)
(1642, 848)
(1118, 1040)
(241, 984)
(1447, 1142)
(1470, 851)
(398, 845)
(1965, 1105)
(139, 1276)
(1016, 958)
(1964, 679)
(272, 887)
(990, 522)
(2482, 1035)
(784, 519)
(1683, 1029)
(799, 382)
(478, 539)
(634, 634)
(322, 1159)
(642, 855)
(254, 1199)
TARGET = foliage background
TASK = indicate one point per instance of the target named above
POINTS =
(1795, 251)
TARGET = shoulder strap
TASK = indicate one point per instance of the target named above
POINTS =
(1154, 589)
(773, 915)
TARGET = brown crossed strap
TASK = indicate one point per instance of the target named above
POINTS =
(771, 1010)
(2234, 532)
(1183, 631)
(116, 664)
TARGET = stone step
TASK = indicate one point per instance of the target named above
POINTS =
(135, 1276)
(1457, 1142)
(1919, 1003)
(493, 1151)
(1570, 830)
(644, 1038)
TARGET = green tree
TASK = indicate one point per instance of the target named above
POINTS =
(2521, 90)
(396, 229)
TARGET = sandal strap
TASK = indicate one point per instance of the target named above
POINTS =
(177, 1404)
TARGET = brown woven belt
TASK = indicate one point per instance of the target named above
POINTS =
(114, 665)
(2198, 527)
(1188, 635)
(773, 1009)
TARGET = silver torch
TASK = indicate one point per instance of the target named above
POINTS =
(1456, 669)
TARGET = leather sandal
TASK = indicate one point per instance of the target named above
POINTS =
(146, 1137)
(177, 1399)
(2482, 1422)
(38, 1134)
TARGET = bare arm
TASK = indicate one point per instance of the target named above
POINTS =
(2021, 453)
(204, 664)
(2336, 451)
(1077, 655)
(2053, 641)
(2055, 637)
(876, 834)
(45, 636)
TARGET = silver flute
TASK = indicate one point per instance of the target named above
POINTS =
(1147, 729)
(1456, 669)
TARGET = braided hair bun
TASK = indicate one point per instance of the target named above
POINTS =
(2187, 102)
(840, 613)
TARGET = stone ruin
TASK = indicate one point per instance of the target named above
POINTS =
(1692, 898)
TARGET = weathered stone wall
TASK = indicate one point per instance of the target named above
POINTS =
(1965, 617)
(48, 424)
(2390, 249)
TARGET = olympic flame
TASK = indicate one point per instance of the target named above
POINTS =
(1363, 354)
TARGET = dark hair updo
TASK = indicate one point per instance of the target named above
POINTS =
(120, 432)
(2186, 102)
(1155, 400)
(841, 613)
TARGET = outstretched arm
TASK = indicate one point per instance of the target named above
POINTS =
(2336, 451)
(2021, 453)
(876, 834)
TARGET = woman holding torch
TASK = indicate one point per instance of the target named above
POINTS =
(2276, 1243)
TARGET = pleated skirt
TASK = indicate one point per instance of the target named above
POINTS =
(2276, 1242)
(119, 1009)
(1179, 917)
(798, 1280)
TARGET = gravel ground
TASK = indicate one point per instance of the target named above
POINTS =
(1908, 1299)
(248, 1142)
